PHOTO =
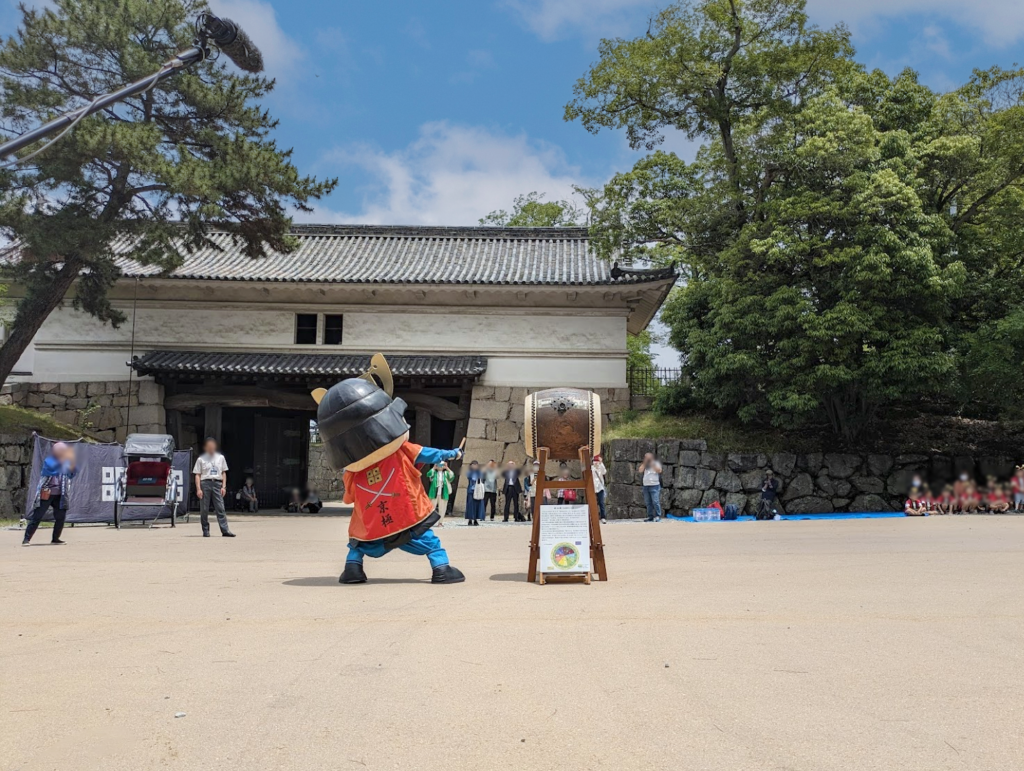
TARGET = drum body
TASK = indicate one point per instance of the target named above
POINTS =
(563, 420)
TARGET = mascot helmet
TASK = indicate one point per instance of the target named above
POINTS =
(357, 417)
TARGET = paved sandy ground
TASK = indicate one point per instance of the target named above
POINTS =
(886, 644)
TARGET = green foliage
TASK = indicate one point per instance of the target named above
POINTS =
(842, 234)
(638, 349)
(531, 211)
(155, 171)
(990, 376)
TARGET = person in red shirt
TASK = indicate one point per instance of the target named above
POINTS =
(946, 502)
(970, 501)
(914, 505)
(997, 499)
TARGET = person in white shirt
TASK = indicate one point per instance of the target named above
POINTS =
(211, 473)
(599, 472)
(651, 470)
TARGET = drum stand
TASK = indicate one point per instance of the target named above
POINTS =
(597, 563)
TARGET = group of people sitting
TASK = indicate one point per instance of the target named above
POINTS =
(964, 496)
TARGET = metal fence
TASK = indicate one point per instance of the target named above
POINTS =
(645, 381)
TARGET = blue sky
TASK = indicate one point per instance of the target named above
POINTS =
(438, 112)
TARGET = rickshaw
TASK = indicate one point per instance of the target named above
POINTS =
(148, 479)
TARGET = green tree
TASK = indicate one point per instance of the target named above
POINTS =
(155, 172)
(841, 233)
(532, 211)
(638, 350)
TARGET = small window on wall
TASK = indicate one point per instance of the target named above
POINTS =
(333, 325)
(305, 329)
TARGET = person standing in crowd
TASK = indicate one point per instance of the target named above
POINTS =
(440, 478)
(1018, 488)
(247, 496)
(53, 490)
(599, 472)
(474, 495)
(211, 474)
(566, 495)
(512, 489)
(491, 487)
(530, 488)
(766, 509)
(650, 468)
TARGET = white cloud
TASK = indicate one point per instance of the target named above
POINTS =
(551, 19)
(452, 175)
(1001, 22)
(281, 54)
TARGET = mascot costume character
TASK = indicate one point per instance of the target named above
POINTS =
(365, 434)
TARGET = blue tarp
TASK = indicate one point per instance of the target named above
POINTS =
(796, 517)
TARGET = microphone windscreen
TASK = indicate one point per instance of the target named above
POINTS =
(243, 52)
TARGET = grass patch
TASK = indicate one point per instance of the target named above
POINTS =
(721, 436)
(16, 420)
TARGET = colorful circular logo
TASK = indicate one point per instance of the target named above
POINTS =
(565, 556)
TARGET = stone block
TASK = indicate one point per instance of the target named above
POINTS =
(753, 501)
(34, 400)
(6, 399)
(868, 485)
(690, 458)
(685, 477)
(518, 396)
(709, 497)
(67, 417)
(843, 488)
(684, 500)
(106, 418)
(908, 459)
(77, 403)
(783, 463)
(738, 461)
(515, 452)
(739, 500)
(752, 480)
(482, 450)
(879, 465)
(869, 504)
(150, 392)
(713, 460)
(637, 512)
(636, 496)
(12, 453)
(825, 484)
(666, 500)
(507, 431)
(810, 462)
(941, 468)
(150, 414)
(81, 390)
(800, 486)
(67, 389)
(46, 388)
(491, 410)
(502, 393)
(693, 444)
(517, 412)
(668, 450)
(625, 450)
(96, 389)
(667, 475)
(810, 505)
(617, 511)
(644, 446)
(703, 478)
(483, 392)
(55, 399)
(476, 428)
(728, 481)
(10, 477)
(841, 465)
(840, 504)
(622, 473)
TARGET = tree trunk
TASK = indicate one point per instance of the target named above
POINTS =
(33, 310)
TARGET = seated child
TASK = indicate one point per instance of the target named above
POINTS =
(946, 502)
(997, 499)
(1018, 489)
(970, 500)
(930, 503)
(915, 505)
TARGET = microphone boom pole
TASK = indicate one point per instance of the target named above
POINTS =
(238, 48)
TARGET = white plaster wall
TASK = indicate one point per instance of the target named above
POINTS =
(524, 347)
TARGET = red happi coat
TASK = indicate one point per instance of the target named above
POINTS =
(388, 496)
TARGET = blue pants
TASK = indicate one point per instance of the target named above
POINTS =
(652, 500)
(428, 544)
(600, 503)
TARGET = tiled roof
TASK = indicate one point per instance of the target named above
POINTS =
(306, 364)
(364, 254)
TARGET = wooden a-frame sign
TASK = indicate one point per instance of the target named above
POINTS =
(597, 563)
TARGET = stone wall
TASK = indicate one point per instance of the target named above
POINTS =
(497, 424)
(321, 477)
(812, 483)
(99, 409)
(15, 468)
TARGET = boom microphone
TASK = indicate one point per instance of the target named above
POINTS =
(233, 43)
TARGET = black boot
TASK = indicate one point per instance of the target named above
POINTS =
(446, 574)
(352, 574)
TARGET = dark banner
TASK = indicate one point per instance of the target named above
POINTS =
(99, 467)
